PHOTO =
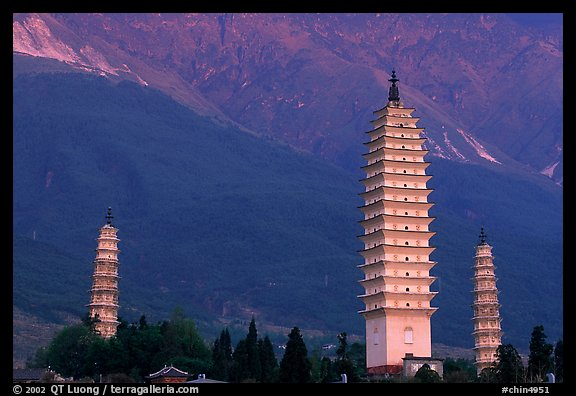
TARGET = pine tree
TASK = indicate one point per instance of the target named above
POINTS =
(540, 358)
(295, 365)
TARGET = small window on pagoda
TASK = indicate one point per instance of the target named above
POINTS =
(403, 158)
(405, 199)
(406, 213)
(408, 335)
(403, 146)
(405, 185)
(406, 259)
(407, 273)
(407, 304)
(405, 227)
(406, 243)
(404, 171)
(407, 289)
(402, 135)
(402, 126)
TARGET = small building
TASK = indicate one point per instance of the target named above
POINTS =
(413, 363)
(167, 375)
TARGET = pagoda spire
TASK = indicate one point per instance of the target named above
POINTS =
(482, 237)
(393, 93)
(109, 216)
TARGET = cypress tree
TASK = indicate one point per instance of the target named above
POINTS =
(268, 361)
(254, 369)
(559, 361)
(222, 356)
(295, 365)
(540, 358)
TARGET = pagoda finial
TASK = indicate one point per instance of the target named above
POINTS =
(109, 216)
(482, 237)
(393, 93)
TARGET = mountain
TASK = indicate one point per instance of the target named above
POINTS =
(229, 147)
(229, 225)
(489, 87)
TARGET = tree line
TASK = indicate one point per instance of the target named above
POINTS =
(140, 348)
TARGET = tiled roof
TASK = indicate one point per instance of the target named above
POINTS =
(169, 372)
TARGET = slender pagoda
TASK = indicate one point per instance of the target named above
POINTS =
(104, 293)
(396, 240)
(487, 330)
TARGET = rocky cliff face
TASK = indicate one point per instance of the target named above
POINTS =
(489, 89)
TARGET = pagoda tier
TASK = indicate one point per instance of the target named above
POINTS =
(103, 307)
(394, 266)
(486, 316)
(389, 179)
(396, 238)
(396, 154)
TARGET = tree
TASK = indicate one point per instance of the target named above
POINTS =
(427, 375)
(540, 358)
(222, 357)
(254, 368)
(509, 368)
(68, 348)
(295, 366)
(344, 364)
(268, 361)
(458, 370)
(559, 361)
(247, 366)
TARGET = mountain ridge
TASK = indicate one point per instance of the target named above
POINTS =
(227, 223)
(470, 70)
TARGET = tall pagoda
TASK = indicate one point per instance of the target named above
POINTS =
(396, 241)
(487, 330)
(104, 293)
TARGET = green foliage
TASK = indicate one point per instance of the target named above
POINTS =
(458, 370)
(295, 366)
(67, 351)
(253, 360)
(427, 375)
(268, 360)
(559, 361)
(540, 360)
(137, 350)
(509, 367)
(222, 357)
(344, 364)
